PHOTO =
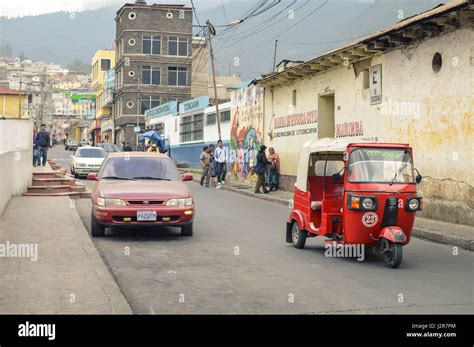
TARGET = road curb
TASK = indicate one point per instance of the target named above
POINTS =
(417, 232)
(442, 238)
(117, 300)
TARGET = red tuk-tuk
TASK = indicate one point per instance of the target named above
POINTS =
(356, 194)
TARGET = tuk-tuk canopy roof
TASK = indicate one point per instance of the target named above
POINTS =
(329, 145)
(326, 145)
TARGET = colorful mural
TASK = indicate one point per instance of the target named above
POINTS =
(246, 136)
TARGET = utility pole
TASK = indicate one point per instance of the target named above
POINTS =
(139, 108)
(211, 31)
(275, 55)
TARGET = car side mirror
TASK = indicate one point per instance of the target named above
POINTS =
(187, 177)
(92, 176)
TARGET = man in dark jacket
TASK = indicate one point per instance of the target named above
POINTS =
(44, 143)
(260, 169)
(127, 148)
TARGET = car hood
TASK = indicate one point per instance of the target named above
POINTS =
(89, 161)
(142, 189)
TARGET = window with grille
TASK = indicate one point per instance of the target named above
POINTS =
(178, 46)
(192, 128)
(177, 76)
(151, 45)
(148, 102)
(151, 75)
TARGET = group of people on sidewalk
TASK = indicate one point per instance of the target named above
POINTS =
(214, 164)
(267, 170)
(41, 144)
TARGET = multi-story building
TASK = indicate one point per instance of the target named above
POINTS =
(103, 61)
(154, 63)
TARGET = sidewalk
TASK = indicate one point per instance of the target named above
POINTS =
(428, 229)
(68, 276)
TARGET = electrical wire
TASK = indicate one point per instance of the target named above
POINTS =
(286, 30)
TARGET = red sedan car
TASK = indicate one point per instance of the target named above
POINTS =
(140, 189)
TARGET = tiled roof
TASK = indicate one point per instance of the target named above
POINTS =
(8, 91)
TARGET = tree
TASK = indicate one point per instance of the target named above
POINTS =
(22, 56)
(79, 66)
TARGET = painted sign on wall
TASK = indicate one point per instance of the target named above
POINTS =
(375, 83)
(302, 123)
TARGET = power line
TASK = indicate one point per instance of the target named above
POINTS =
(223, 10)
(262, 26)
(275, 17)
(194, 11)
(286, 30)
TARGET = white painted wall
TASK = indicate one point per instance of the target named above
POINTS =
(16, 159)
(439, 124)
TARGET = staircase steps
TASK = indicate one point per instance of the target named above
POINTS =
(53, 180)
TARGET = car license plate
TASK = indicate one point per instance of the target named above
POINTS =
(146, 216)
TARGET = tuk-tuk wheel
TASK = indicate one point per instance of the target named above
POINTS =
(392, 254)
(298, 237)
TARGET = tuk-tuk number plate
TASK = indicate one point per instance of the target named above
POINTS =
(146, 216)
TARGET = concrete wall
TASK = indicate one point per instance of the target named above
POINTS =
(431, 111)
(16, 159)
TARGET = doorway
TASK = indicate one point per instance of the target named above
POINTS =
(326, 116)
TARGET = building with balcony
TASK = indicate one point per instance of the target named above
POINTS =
(154, 62)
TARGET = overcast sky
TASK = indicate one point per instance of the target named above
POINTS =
(11, 8)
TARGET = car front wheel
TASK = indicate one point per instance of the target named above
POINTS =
(97, 229)
(187, 230)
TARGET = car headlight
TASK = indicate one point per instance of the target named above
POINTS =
(413, 204)
(180, 202)
(367, 203)
(110, 202)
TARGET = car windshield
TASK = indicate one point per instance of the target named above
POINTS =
(72, 142)
(91, 153)
(147, 168)
(381, 165)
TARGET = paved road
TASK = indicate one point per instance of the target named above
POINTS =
(238, 262)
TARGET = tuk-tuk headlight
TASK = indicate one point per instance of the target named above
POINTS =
(367, 203)
(414, 204)
(362, 203)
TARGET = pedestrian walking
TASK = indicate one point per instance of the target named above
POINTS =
(44, 143)
(127, 148)
(205, 160)
(273, 170)
(260, 168)
(221, 157)
(36, 147)
(212, 153)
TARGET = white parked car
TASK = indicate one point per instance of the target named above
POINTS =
(86, 160)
